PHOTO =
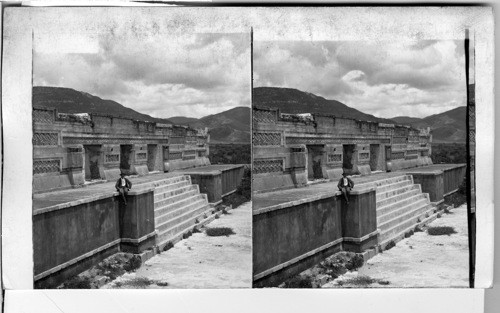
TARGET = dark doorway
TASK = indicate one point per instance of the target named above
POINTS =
(348, 151)
(152, 150)
(314, 158)
(125, 158)
(92, 162)
(374, 157)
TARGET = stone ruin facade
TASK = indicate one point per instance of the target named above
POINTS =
(70, 149)
(291, 149)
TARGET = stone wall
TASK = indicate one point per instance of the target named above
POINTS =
(72, 237)
(290, 149)
(71, 148)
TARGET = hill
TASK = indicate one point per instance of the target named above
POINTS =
(231, 126)
(67, 100)
(448, 126)
(295, 101)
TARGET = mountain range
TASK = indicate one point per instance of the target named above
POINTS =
(231, 126)
(448, 126)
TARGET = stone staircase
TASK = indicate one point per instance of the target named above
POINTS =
(401, 206)
(179, 207)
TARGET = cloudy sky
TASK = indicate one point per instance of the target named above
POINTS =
(386, 79)
(190, 75)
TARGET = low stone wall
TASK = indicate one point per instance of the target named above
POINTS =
(217, 181)
(296, 235)
(439, 180)
(71, 237)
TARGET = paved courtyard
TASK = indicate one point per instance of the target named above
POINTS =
(423, 260)
(201, 261)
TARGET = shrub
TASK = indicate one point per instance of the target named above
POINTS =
(390, 245)
(298, 282)
(219, 231)
(77, 282)
(441, 230)
(133, 264)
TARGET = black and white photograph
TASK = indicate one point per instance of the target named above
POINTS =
(360, 162)
(141, 159)
(209, 157)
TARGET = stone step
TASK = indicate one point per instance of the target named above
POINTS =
(400, 210)
(382, 210)
(393, 186)
(179, 197)
(188, 214)
(414, 210)
(383, 181)
(189, 224)
(387, 235)
(205, 218)
(160, 210)
(170, 193)
(397, 198)
(168, 215)
(393, 192)
(165, 181)
(184, 181)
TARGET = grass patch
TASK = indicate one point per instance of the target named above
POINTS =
(137, 283)
(133, 264)
(219, 231)
(441, 230)
(361, 280)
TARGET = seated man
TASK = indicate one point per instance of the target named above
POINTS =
(345, 185)
(123, 186)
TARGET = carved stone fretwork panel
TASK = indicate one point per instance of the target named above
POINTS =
(263, 116)
(175, 155)
(267, 166)
(364, 155)
(112, 158)
(472, 136)
(43, 116)
(116, 141)
(141, 156)
(395, 155)
(45, 139)
(398, 140)
(334, 158)
(266, 139)
(411, 152)
(202, 154)
(333, 140)
(46, 166)
(411, 156)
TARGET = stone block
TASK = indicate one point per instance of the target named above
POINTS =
(364, 169)
(334, 174)
(111, 174)
(142, 170)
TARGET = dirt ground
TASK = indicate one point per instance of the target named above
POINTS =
(421, 260)
(201, 261)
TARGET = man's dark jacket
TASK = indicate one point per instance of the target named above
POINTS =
(118, 184)
(350, 183)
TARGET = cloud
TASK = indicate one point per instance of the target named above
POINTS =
(161, 75)
(415, 78)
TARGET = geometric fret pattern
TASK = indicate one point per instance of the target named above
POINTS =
(141, 156)
(43, 116)
(267, 166)
(45, 139)
(334, 158)
(45, 166)
(267, 139)
(263, 116)
(364, 155)
(397, 155)
(112, 158)
(175, 155)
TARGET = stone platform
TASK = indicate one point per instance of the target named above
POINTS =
(74, 196)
